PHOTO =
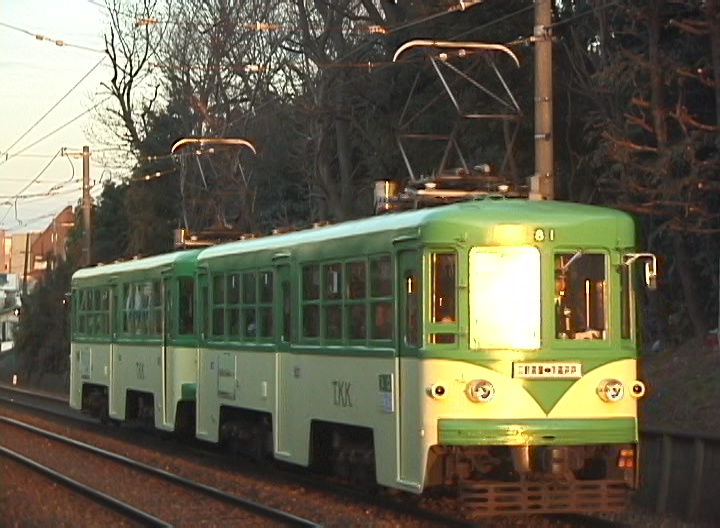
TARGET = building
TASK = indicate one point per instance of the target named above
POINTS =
(21, 258)
(9, 309)
(4, 264)
(49, 246)
(24, 259)
(29, 255)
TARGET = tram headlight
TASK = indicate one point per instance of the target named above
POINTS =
(611, 390)
(480, 391)
(637, 390)
(437, 391)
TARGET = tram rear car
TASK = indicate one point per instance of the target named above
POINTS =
(486, 348)
(134, 345)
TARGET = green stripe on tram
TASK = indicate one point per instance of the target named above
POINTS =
(537, 431)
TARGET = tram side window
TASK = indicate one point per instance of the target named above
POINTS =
(380, 277)
(287, 331)
(141, 308)
(155, 326)
(249, 299)
(92, 315)
(332, 305)
(356, 302)
(265, 307)
(443, 270)
(218, 306)
(381, 303)
(129, 315)
(233, 308)
(104, 312)
(96, 316)
(75, 298)
(580, 296)
(412, 313)
(81, 315)
(382, 320)
(310, 301)
(204, 311)
(187, 306)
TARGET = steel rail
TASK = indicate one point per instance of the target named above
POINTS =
(209, 491)
(123, 508)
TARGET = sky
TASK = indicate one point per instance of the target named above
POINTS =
(38, 76)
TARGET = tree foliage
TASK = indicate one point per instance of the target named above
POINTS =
(644, 74)
(312, 84)
(110, 233)
(42, 337)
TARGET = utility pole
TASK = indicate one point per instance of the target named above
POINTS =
(26, 264)
(542, 183)
(86, 201)
(86, 205)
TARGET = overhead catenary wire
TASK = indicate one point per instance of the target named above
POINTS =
(53, 107)
(13, 206)
(376, 67)
(460, 6)
(436, 15)
(13, 200)
(57, 42)
(67, 123)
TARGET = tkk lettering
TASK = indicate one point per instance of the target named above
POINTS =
(341, 390)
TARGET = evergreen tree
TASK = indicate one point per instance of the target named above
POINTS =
(42, 339)
(110, 233)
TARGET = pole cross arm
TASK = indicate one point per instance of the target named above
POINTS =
(442, 44)
(185, 142)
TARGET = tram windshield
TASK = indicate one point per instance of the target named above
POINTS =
(580, 294)
(504, 295)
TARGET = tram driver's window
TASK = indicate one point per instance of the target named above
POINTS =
(580, 296)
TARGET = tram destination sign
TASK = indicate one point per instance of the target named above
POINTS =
(547, 370)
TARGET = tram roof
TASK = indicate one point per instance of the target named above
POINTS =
(486, 212)
(141, 264)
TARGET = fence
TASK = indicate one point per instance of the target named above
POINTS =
(680, 474)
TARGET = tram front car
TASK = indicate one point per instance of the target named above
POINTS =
(526, 374)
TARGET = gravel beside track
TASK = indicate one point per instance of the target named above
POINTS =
(28, 500)
(307, 503)
(175, 503)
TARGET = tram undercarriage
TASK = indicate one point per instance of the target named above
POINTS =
(496, 480)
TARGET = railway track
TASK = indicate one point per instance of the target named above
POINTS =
(411, 509)
(161, 498)
(214, 462)
(125, 510)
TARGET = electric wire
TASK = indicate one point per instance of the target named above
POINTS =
(31, 182)
(7, 151)
(57, 42)
(591, 11)
(67, 123)
(356, 50)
